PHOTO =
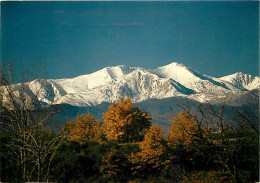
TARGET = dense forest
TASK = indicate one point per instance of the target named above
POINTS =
(125, 146)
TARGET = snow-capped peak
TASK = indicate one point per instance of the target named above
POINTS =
(96, 79)
(176, 71)
(242, 81)
(173, 65)
(111, 83)
(117, 71)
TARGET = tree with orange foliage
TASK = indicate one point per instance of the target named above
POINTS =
(152, 146)
(182, 129)
(151, 156)
(125, 123)
(85, 128)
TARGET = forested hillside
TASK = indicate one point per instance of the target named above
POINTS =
(126, 147)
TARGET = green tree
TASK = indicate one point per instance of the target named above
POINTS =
(116, 165)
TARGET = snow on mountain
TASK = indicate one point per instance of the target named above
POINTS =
(191, 79)
(89, 81)
(139, 85)
(242, 81)
(254, 84)
(178, 72)
(112, 83)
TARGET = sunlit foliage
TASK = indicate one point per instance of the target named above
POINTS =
(182, 129)
(150, 158)
(125, 123)
(85, 128)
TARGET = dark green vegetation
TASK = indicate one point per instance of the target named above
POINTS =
(236, 161)
(196, 149)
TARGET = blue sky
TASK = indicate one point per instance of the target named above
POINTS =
(73, 38)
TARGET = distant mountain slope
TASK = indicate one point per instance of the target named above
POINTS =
(112, 83)
(242, 81)
(161, 110)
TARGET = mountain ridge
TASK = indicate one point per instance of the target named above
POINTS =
(111, 83)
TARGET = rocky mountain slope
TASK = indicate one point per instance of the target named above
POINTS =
(112, 83)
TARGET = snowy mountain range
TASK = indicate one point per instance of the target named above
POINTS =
(112, 83)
